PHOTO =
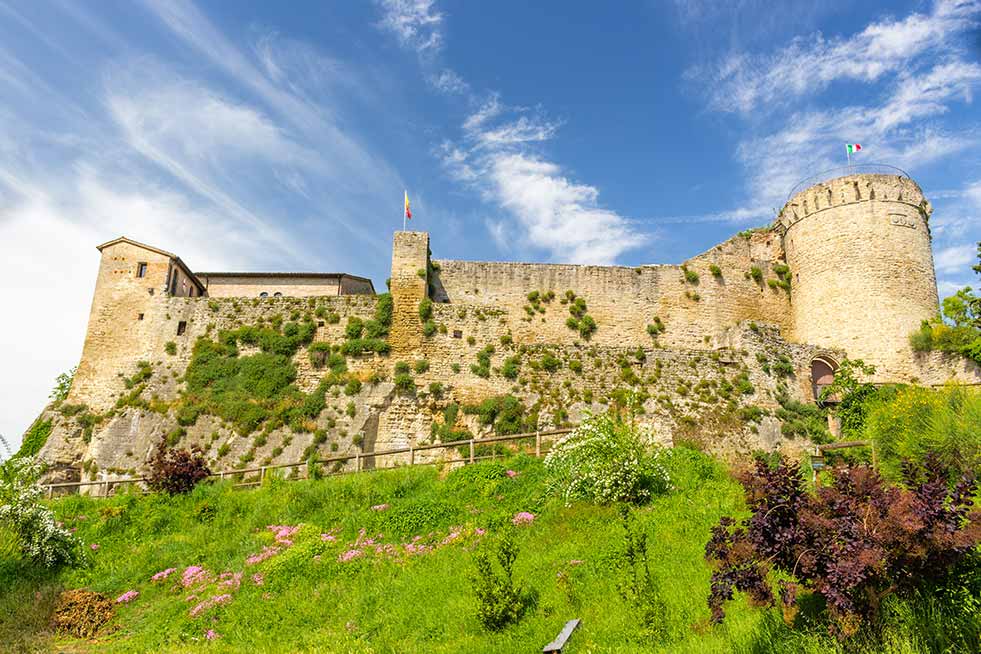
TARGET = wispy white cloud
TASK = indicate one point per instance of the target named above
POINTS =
(448, 82)
(893, 130)
(547, 210)
(745, 83)
(955, 259)
(415, 23)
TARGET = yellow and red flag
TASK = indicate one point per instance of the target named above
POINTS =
(408, 211)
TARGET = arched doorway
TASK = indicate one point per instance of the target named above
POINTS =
(822, 374)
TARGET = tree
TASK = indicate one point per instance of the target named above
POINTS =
(63, 384)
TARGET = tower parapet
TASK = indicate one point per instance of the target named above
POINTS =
(859, 250)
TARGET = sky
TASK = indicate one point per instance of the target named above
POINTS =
(280, 136)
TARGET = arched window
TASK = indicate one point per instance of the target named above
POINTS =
(277, 294)
(263, 294)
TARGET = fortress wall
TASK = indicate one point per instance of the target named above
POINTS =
(250, 287)
(623, 301)
(118, 358)
(859, 250)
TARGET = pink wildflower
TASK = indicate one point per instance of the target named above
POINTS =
(328, 538)
(230, 580)
(479, 531)
(163, 574)
(350, 555)
(512, 473)
(211, 634)
(380, 507)
(258, 579)
(283, 533)
(94, 546)
(128, 596)
(523, 518)
(266, 553)
(208, 603)
(192, 575)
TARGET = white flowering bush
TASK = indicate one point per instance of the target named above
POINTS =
(41, 539)
(605, 460)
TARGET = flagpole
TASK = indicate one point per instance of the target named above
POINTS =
(403, 208)
(848, 155)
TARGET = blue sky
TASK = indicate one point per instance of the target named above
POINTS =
(261, 136)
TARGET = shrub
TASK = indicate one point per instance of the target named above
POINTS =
(39, 537)
(505, 413)
(352, 387)
(429, 328)
(852, 543)
(354, 328)
(404, 383)
(756, 274)
(35, 438)
(550, 363)
(500, 602)
(63, 384)
(921, 420)
(605, 460)
(421, 366)
(436, 389)
(511, 367)
(81, 613)
(318, 353)
(482, 367)
(170, 347)
(715, 270)
(425, 309)
(176, 471)
(383, 309)
(690, 275)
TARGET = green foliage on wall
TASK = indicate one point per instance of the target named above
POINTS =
(35, 438)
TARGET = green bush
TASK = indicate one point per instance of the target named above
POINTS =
(505, 413)
(715, 270)
(550, 363)
(421, 366)
(690, 275)
(500, 601)
(318, 353)
(170, 347)
(511, 367)
(404, 383)
(425, 309)
(35, 438)
(354, 328)
(756, 274)
(920, 420)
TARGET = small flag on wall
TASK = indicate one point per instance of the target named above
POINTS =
(851, 148)
(408, 211)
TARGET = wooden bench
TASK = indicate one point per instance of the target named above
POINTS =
(556, 645)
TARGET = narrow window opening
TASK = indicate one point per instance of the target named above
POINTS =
(457, 333)
(320, 323)
(139, 316)
(181, 327)
(141, 269)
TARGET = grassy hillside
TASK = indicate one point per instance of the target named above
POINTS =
(408, 589)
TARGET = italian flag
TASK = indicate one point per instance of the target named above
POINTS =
(852, 148)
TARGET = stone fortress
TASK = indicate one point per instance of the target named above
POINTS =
(712, 350)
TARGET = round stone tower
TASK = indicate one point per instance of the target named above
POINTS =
(858, 248)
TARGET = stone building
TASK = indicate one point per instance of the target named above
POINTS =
(846, 270)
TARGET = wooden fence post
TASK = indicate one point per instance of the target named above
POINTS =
(471, 450)
(412, 456)
(538, 444)
(262, 475)
(357, 462)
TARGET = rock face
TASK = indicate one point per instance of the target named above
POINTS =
(703, 351)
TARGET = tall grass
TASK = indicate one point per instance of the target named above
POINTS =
(919, 420)
(571, 555)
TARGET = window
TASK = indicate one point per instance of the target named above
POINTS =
(181, 327)
(320, 323)
(173, 284)
(277, 294)
(139, 316)
(141, 269)
(263, 294)
(457, 333)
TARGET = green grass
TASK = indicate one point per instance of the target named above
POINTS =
(421, 603)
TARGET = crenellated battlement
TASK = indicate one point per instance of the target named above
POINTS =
(853, 189)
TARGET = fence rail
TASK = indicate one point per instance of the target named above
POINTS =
(360, 461)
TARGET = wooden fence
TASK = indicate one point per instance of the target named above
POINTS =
(360, 461)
